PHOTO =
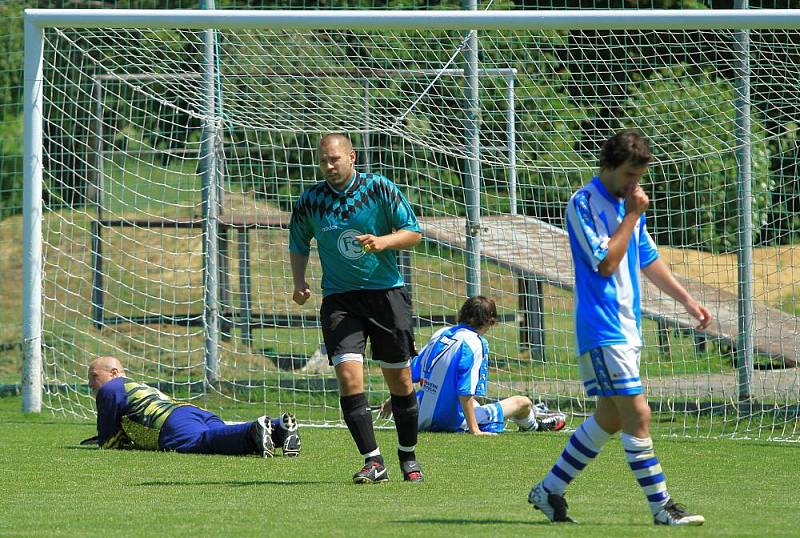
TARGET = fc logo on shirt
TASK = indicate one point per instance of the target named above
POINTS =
(348, 246)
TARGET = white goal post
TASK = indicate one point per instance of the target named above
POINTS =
(735, 399)
(667, 19)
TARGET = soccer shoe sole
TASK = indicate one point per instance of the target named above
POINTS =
(690, 521)
(363, 480)
(291, 445)
(265, 434)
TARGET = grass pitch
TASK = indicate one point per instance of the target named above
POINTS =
(475, 487)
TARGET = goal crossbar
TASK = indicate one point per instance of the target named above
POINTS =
(672, 19)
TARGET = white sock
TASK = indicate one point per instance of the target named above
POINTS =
(528, 424)
(373, 454)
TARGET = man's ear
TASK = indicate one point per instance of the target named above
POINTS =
(114, 372)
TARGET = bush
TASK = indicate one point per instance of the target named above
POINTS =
(783, 225)
(11, 107)
(689, 118)
(11, 150)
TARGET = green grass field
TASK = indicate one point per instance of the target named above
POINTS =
(475, 487)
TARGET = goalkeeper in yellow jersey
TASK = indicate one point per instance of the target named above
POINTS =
(135, 415)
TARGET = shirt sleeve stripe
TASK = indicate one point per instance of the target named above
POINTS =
(593, 247)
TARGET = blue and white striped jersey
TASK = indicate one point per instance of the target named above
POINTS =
(607, 309)
(454, 363)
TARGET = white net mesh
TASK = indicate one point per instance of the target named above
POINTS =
(124, 249)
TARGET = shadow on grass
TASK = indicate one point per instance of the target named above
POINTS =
(495, 521)
(237, 483)
(476, 521)
(40, 421)
(740, 442)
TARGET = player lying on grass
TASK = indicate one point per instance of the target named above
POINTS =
(452, 371)
(610, 246)
(136, 416)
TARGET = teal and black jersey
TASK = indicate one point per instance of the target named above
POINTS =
(369, 204)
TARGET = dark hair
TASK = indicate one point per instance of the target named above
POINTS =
(478, 312)
(628, 145)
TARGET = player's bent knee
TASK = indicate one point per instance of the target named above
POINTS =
(644, 414)
(398, 379)
(349, 372)
(522, 402)
(640, 410)
(637, 422)
(517, 405)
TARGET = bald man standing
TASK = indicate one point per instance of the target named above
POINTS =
(359, 221)
(135, 415)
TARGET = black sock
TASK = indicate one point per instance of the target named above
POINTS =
(406, 415)
(359, 422)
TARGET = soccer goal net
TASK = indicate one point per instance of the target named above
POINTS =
(165, 150)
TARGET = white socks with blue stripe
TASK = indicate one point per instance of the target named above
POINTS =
(582, 448)
(586, 443)
(647, 470)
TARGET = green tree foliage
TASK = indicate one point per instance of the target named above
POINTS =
(11, 166)
(689, 117)
(11, 48)
(783, 225)
(11, 43)
(573, 90)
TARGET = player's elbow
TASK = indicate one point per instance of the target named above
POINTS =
(606, 269)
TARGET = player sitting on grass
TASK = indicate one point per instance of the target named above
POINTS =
(137, 416)
(610, 245)
(452, 369)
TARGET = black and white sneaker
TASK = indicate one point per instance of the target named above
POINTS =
(261, 435)
(286, 434)
(551, 423)
(412, 472)
(550, 504)
(373, 472)
(676, 514)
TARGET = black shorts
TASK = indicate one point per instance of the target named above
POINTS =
(382, 315)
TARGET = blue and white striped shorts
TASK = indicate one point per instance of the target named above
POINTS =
(611, 370)
(489, 417)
